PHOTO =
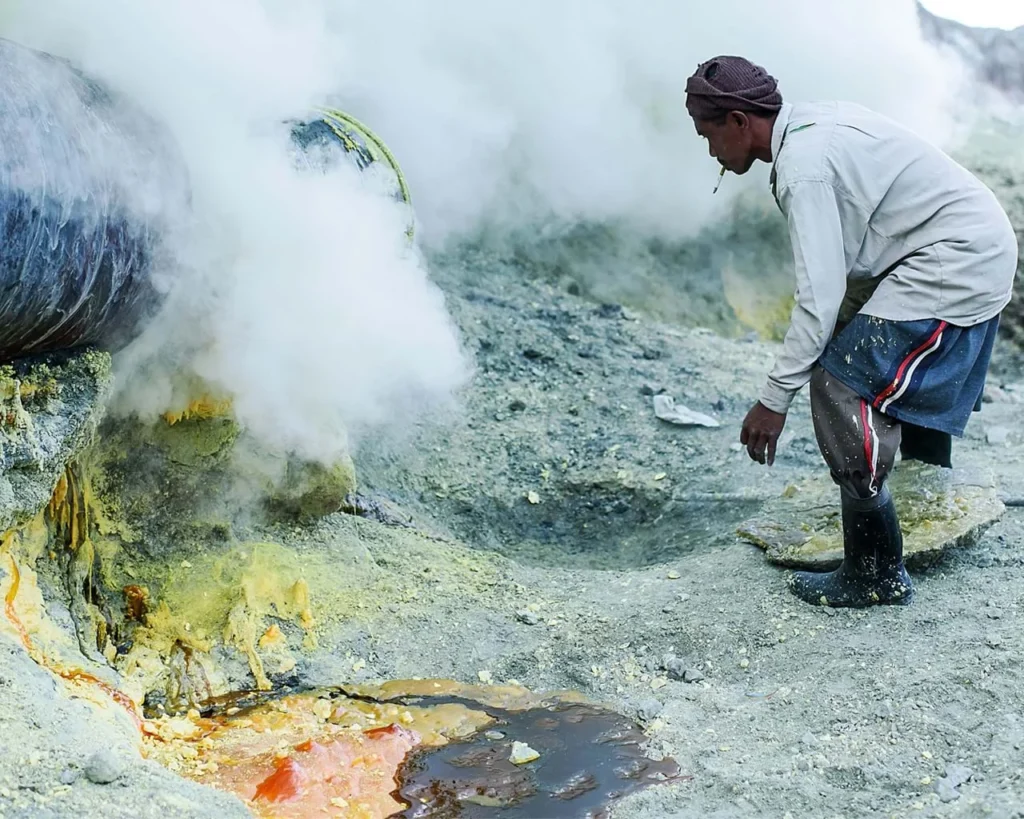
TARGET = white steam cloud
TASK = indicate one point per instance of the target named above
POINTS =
(511, 109)
(298, 295)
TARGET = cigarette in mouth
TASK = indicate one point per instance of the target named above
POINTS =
(721, 176)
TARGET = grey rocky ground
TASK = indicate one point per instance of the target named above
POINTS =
(800, 710)
(621, 582)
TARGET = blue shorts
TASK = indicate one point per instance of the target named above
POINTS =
(930, 373)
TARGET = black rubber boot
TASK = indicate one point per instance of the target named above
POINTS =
(872, 571)
(926, 445)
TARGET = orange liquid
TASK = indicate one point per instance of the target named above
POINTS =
(283, 784)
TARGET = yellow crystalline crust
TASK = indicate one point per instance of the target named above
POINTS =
(202, 408)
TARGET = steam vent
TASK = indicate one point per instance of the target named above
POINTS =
(316, 505)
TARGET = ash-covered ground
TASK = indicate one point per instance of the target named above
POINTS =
(564, 537)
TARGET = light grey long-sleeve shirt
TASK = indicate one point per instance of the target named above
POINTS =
(865, 198)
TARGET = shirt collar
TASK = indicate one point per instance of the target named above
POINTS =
(779, 130)
(777, 136)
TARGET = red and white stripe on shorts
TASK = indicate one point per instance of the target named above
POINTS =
(905, 373)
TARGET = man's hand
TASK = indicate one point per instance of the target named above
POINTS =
(761, 431)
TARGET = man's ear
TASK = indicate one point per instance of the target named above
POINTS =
(739, 119)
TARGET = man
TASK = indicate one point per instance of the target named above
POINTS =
(904, 261)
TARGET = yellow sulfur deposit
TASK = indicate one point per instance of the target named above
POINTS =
(766, 310)
(25, 608)
(203, 408)
(228, 599)
(25, 616)
(240, 598)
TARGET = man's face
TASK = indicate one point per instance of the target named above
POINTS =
(731, 142)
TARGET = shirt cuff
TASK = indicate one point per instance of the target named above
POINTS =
(776, 398)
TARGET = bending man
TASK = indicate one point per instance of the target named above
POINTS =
(904, 261)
